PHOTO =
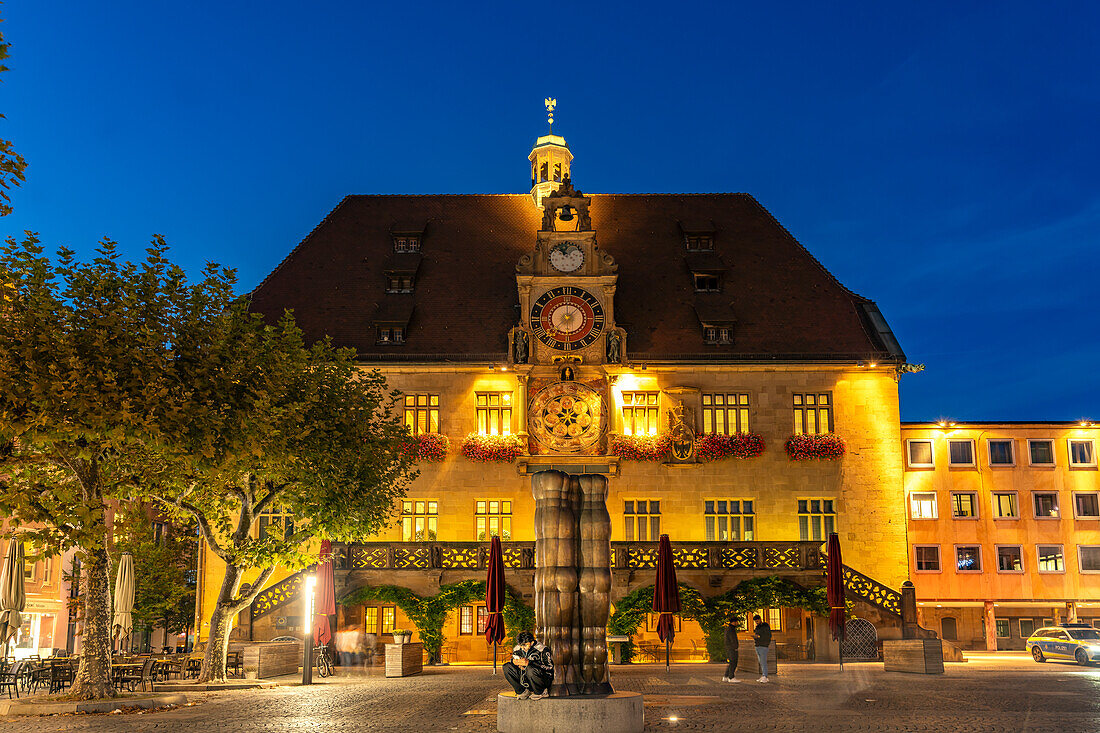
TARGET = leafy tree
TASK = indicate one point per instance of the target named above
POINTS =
(12, 164)
(290, 443)
(88, 360)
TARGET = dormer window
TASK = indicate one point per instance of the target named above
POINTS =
(700, 242)
(707, 282)
(719, 335)
(406, 243)
(399, 283)
(391, 335)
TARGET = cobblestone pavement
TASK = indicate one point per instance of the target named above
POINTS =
(989, 694)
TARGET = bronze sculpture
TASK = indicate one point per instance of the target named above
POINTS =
(573, 578)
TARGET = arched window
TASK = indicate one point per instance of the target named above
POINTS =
(544, 172)
(557, 172)
(949, 629)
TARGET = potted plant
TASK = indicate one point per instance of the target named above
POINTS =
(402, 636)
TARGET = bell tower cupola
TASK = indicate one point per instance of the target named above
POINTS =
(550, 160)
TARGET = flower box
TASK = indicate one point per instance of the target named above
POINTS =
(641, 447)
(738, 445)
(432, 447)
(493, 448)
(826, 447)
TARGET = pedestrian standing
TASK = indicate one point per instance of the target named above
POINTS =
(731, 642)
(762, 638)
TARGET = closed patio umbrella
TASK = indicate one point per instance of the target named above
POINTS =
(666, 596)
(834, 589)
(494, 598)
(13, 595)
(325, 591)
(123, 622)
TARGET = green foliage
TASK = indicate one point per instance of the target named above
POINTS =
(712, 614)
(12, 164)
(429, 614)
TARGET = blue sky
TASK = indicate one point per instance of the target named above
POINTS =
(939, 158)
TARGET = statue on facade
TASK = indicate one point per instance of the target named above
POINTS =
(681, 429)
(614, 347)
(573, 578)
(521, 346)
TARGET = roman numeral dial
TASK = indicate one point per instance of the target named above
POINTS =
(567, 318)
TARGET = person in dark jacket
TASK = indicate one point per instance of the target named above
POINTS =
(531, 669)
(762, 638)
(731, 641)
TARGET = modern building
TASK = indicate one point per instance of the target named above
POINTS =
(1004, 527)
(671, 342)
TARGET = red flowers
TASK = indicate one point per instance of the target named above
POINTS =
(814, 447)
(493, 448)
(432, 447)
(738, 445)
(641, 447)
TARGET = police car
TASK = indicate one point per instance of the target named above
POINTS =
(1076, 642)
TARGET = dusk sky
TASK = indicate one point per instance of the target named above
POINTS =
(942, 159)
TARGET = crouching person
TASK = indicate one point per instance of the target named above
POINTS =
(531, 669)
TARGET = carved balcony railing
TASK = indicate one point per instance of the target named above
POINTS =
(867, 589)
(286, 591)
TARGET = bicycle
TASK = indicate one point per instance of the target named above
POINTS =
(323, 660)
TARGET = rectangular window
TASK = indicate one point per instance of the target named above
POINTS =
(391, 334)
(1081, 453)
(370, 620)
(494, 413)
(1010, 559)
(729, 520)
(700, 242)
(706, 283)
(1046, 505)
(813, 413)
(968, 558)
(652, 619)
(1005, 505)
(1027, 627)
(466, 620)
(406, 243)
(928, 558)
(642, 519)
(482, 619)
(1051, 558)
(816, 519)
(922, 505)
(725, 413)
(1002, 628)
(1086, 505)
(920, 454)
(1041, 452)
(276, 522)
(1089, 556)
(419, 520)
(389, 619)
(493, 517)
(641, 413)
(399, 283)
(964, 505)
(1001, 452)
(422, 413)
(961, 452)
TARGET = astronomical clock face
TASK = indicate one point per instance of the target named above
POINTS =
(566, 417)
(566, 257)
(567, 318)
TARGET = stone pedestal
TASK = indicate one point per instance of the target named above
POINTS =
(619, 712)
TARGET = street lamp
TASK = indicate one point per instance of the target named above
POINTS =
(307, 628)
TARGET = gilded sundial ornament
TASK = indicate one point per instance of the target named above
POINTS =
(566, 417)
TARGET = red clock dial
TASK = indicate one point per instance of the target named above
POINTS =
(567, 318)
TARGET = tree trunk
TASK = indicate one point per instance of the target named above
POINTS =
(93, 675)
(221, 624)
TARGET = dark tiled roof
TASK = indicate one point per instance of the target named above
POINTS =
(787, 305)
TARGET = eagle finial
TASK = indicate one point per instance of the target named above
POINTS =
(550, 104)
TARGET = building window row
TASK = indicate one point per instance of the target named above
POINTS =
(1003, 505)
(1002, 452)
(1009, 558)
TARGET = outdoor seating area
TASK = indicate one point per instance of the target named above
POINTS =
(33, 674)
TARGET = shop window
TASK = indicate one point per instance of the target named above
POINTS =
(920, 454)
(419, 520)
(494, 413)
(1051, 558)
(1010, 559)
(1041, 452)
(422, 413)
(493, 517)
(949, 628)
(641, 413)
(964, 505)
(1005, 505)
(960, 452)
(1081, 453)
(813, 413)
(729, 520)
(968, 558)
(816, 519)
(725, 413)
(642, 519)
(922, 505)
(928, 558)
(1046, 505)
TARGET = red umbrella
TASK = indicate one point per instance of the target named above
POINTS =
(494, 598)
(666, 596)
(834, 588)
(324, 596)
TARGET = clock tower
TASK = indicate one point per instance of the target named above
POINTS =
(550, 160)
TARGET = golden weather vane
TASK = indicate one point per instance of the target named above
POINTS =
(550, 105)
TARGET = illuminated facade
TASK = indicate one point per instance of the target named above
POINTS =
(591, 334)
(1004, 528)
